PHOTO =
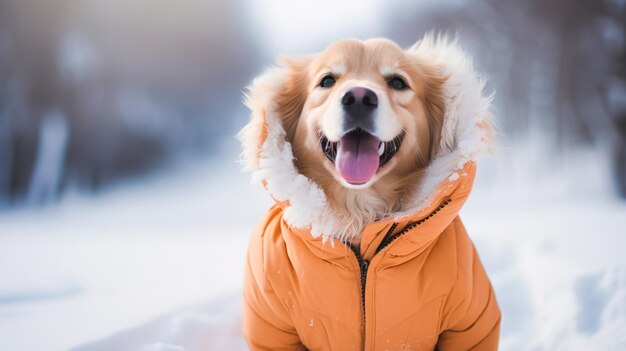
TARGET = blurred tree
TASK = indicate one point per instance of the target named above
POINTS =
(34, 86)
(590, 39)
(137, 82)
(615, 92)
(555, 64)
(5, 127)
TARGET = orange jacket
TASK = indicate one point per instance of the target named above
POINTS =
(425, 289)
(415, 282)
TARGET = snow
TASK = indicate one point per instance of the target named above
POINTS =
(558, 270)
(95, 265)
(157, 263)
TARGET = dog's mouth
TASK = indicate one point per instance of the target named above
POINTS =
(358, 155)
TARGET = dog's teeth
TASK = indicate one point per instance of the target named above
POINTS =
(381, 148)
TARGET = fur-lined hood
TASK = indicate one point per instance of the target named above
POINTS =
(467, 132)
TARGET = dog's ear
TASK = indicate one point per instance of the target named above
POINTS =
(280, 91)
(434, 105)
(430, 92)
(428, 55)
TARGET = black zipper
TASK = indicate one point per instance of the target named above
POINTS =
(364, 265)
(387, 240)
(390, 237)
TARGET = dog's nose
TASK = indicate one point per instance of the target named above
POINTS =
(359, 99)
(359, 105)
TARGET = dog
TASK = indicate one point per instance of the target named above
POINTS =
(369, 151)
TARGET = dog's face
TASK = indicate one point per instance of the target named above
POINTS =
(361, 112)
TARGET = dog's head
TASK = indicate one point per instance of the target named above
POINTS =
(360, 110)
(374, 129)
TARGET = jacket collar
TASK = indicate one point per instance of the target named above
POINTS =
(416, 231)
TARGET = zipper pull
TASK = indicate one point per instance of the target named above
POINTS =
(364, 265)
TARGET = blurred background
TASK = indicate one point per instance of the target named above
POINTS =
(124, 217)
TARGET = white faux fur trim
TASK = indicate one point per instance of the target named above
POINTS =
(462, 140)
(307, 201)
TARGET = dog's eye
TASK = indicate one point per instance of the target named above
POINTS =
(327, 82)
(397, 83)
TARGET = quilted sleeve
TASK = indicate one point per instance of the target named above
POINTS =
(471, 316)
(266, 323)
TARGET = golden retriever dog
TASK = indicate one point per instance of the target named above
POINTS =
(374, 146)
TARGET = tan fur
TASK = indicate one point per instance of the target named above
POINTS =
(301, 108)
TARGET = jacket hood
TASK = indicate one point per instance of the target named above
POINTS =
(467, 132)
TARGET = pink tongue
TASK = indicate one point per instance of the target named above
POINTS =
(357, 157)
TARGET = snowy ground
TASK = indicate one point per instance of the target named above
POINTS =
(96, 265)
(156, 265)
